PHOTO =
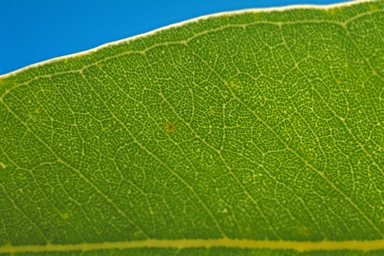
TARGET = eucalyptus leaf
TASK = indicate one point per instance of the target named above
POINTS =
(258, 132)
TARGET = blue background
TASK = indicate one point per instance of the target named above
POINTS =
(35, 30)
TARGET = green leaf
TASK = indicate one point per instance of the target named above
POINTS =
(259, 132)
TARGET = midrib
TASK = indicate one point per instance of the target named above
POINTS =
(207, 243)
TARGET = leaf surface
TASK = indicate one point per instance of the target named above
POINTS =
(258, 132)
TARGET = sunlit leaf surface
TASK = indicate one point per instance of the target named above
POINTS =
(258, 132)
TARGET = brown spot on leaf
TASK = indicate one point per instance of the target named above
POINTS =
(170, 128)
(306, 231)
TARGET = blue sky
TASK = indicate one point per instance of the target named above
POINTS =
(33, 31)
